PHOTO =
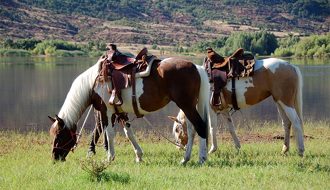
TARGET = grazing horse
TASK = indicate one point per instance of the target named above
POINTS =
(272, 77)
(171, 79)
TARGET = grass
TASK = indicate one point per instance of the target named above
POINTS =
(14, 52)
(25, 163)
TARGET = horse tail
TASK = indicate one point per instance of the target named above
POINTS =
(203, 105)
(298, 100)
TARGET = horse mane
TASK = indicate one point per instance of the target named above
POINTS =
(77, 99)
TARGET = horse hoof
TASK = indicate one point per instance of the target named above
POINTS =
(91, 153)
(285, 149)
(184, 162)
(202, 160)
(212, 150)
(301, 153)
(111, 158)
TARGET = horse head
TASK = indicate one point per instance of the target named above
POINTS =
(180, 128)
(64, 138)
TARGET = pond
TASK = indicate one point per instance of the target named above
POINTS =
(31, 88)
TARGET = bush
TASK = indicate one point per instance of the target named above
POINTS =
(95, 53)
(62, 53)
(47, 47)
(78, 53)
(15, 52)
(283, 52)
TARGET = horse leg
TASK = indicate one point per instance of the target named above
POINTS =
(110, 133)
(195, 120)
(96, 135)
(130, 135)
(229, 121)
(287, 127)
(290, 116)
(213, 131)
(191, 136)
(202, 150)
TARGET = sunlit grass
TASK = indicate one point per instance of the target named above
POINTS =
(25, 163)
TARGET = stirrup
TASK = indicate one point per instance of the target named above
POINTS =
(113, 97)
(91, 150)
(214, 102)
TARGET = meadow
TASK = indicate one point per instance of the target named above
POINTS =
(25, 162)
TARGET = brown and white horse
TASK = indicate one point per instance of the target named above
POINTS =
(171, 79)
(272, 77)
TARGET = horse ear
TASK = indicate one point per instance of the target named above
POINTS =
(60, 121)
(173, 118)
(52, 119)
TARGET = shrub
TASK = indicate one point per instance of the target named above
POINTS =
(62, 53)
(16, 52)
(94, 168)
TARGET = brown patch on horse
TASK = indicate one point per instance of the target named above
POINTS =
(99, 105)
(154, 97)
(55, 130)
(260, 89)
(280, 92)
(285, 92)
(173, 76)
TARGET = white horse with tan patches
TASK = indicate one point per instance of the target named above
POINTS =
(272, 77)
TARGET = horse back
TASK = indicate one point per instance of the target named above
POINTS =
(272, 77)
(170, 79)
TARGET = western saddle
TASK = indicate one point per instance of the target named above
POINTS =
(220, 68)
(121, 70)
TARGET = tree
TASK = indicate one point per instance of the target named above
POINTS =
(103, 46)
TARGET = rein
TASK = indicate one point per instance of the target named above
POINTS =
(175, 143)
(82, 127)
(98, 120)
(72, 135)
(72, 139)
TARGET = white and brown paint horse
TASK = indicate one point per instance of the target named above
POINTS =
(272, 77)
(170, 79)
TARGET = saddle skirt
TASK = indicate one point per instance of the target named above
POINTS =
(237, 65)
(219, 69)
(118, 67)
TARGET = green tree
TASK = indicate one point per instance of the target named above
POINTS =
(103, 46)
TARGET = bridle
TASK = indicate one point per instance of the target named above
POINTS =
(181, 127)
(72, 139)
(181, 131)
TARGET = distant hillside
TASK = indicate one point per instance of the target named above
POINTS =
(161, 22)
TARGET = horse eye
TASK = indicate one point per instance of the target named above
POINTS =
(59, 135)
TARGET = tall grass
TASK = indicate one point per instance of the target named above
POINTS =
(66, 53)
(15, 52)
(25, 163)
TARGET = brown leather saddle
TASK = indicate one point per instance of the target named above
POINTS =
(121, 70)
(220, 68)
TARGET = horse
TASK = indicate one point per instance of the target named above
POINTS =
(170, 79)
(272, 77)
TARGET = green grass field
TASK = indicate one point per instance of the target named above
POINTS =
(25, 163)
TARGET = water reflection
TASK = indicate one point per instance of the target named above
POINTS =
(33, 87)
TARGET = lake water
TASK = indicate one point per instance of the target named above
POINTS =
(31, 88)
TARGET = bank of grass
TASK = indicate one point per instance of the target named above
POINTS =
(14, 52)
(76, 53)
(25, 163)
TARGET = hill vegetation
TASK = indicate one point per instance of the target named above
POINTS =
(182, 22)
(258, 43)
